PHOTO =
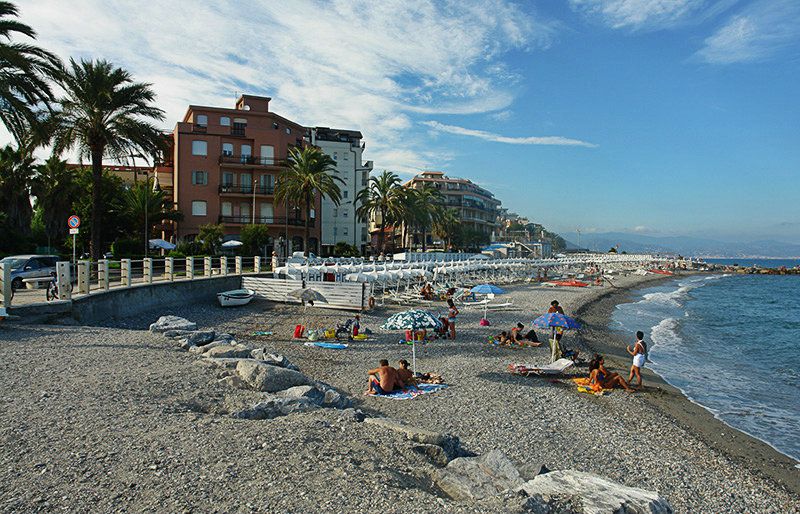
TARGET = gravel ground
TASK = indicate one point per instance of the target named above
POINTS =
(113, 418)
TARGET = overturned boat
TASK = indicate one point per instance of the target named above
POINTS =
(235, 297)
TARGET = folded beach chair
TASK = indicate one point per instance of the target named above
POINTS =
(556, 368)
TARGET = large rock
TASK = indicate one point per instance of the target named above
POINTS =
(167, 323)
(228, 351)
(419, 435)
(277, 406)
(175, 334)
(476, 478)
(303, 391)
(333, 398)
(275, 359)
(219, 362)
(199, 350)
(200, 338)
(266, 377)
(593, 494)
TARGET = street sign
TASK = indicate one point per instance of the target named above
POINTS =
(74, 231)
(73, 222)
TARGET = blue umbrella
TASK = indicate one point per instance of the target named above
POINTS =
(486, 289)
(555, 320)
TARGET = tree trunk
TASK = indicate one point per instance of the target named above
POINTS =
(308, 230)
(424, 240)
(382, 233)
(97, 175)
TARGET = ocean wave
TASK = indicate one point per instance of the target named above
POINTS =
(666, 333)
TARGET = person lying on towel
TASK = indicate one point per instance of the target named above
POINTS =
(384, 379)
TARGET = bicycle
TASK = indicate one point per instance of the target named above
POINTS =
(52, 288)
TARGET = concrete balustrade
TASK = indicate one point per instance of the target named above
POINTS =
(257, 264)
(169, 269)
(64, 280)
(207, 266)
(190, 268)
(125, 278)
(238, 265)
(223, 266)
(102, 274)
(5, 276)
(147, 270)
(83, 276)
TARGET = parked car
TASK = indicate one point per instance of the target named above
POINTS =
(30, 266)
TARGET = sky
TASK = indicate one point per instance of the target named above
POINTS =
(668, 117)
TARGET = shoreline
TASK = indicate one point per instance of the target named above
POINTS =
(746, 449)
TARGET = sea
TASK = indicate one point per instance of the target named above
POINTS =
(762, 263)
(731, 343)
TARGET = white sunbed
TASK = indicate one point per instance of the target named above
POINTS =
(555, 368)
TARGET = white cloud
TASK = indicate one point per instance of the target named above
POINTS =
(497, 138)
(639, 14)
(370, 66)
(501, 115)
(754, 34)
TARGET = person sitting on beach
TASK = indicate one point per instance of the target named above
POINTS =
(501, 338)
(554, 307)
(405, 374)
(384, 379)
(515, 333)
(639, 352)
(600, 376)
(356, 325)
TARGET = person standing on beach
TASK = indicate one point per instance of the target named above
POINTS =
(555, 343)
(554, 307)
(639, 352)
(452, 312)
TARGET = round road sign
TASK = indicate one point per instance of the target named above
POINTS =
(74, 222)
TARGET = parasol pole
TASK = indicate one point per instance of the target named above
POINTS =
(414, 352)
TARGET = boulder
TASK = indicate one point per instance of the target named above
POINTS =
(277, 406)
(200, 338)
(266, 377)
(352, 414)
(303, 391)
(167, 323)
(174, 334)
(205, 348)
(434, 454)
(227, 351)
(223, 337)
(333, 398)
(595, 495)
(233, 381)
(476, 478)
(275, 359)
(219, 362)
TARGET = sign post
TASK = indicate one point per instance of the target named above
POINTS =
(73, 222)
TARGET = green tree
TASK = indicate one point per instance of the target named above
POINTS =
(112, 193)
(383, 197)
(447, 226)
(25, 72)
(104, 113)
(55, 187)
(424, 208)
(16, 173)
(211, 236)
(308, 175)
(343, 249)
(145, 208)
(254, 239)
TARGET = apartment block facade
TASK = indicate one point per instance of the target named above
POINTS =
(476, 207)
(339, 223)
(225, 164)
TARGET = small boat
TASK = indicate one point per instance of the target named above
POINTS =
(235, 297)
(661, 272)
(567, 283)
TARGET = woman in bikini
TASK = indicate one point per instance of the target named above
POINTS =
(452, 312)
(599, 375)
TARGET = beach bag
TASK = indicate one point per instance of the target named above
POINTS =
(298, 331)
(313, 335)
(330, 334)
(484, 322)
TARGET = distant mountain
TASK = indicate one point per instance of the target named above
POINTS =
(689, 246)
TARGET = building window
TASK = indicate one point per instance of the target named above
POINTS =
(267, 154)
(200, 178)
(266, 213)
(227, 149)
(199, 147)
(344, 193)
(313, 213)
(335, 212)
(225, 121)
(244, 213)
(344, 213)
(227, 179)
(274, 125)
(201, 119)
(240, 121)
(227, 209)
(246, 181)
(199, 208)
(335, 156)
(335, 231)
(288, 130)
(344, 230)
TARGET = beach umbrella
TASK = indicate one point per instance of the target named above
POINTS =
(232, 244)
(487, 289)
(555, 320)
(413, 319)
(307, 296)
(161, 244)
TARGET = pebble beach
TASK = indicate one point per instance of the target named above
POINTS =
(114, 418)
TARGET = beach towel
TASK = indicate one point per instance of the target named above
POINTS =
(585, 386)
(262, 333)
(554, 368)
(412, 392)
(329, 346)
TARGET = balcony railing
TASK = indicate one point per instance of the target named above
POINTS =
(246, 190)
(200, 129)
(275, 220)
(251, 160)
(237, 131)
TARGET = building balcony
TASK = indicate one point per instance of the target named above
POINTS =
(275, 220)
(199, 129)
(225, 189)
(250, 161)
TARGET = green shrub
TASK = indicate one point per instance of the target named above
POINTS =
(126, 248)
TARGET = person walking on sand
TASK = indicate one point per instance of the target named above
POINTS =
(639, 352)
(452, 312)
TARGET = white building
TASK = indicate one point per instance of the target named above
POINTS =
(340, 224)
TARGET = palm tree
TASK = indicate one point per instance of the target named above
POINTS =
(425, 206)
(382, 197)
(16, 172)
(104, 114)
(55, 187)
(447, 225)
(24, 73)
(147, 208)
(308, 174)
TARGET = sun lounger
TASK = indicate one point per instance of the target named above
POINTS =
(556, 368)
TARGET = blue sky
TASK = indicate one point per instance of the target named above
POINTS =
(651, 116)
